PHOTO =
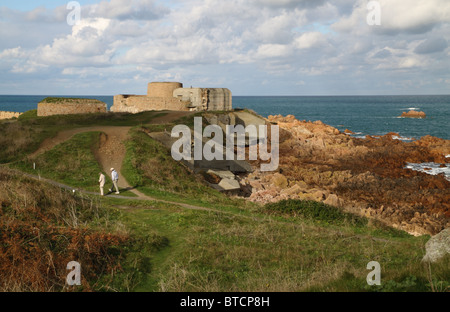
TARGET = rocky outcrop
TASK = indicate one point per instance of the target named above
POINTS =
(363, 176)
(413, 114)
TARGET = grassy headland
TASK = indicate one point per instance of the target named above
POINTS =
(72, 163)
(216, 244)
(25, 135)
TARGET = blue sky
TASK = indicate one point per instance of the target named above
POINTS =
(252, 47)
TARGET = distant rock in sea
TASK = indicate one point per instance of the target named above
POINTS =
(413, 114)
(346, 131)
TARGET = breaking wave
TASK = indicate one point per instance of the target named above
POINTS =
(431, 168)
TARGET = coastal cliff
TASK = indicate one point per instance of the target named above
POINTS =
(364, 176)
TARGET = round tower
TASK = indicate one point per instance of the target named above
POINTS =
(163, 89)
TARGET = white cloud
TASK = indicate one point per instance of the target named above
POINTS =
(273, 51)
(241, 42)
(12, 53)
(408, 16)
(85, 46)
(127, 10)
(310, 40)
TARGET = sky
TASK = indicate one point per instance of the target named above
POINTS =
(252, 47)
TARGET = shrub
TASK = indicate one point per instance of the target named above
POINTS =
(315, 211)
(28, 114)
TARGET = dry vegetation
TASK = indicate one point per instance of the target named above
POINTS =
(42, 228)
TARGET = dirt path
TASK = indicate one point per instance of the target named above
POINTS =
(141, 198)
(112, 150)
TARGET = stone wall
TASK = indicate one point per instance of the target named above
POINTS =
(71, 106)
(206, 99)
(193, 95)
(141, 103)
(220, 99)
(9, 115)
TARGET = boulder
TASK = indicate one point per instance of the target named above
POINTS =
(229, 184)
(438, 246)
(223, 174)
(280, 180)
(303, 185)
(245, 119)
(332, 200)
(294, 190)
(256, 186)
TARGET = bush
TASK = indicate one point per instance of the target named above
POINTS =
(28, 115)
(315, 211)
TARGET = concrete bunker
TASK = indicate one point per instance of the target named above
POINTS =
(172, 96)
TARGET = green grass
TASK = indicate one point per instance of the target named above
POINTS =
(31, 114)
(219, 251)
(72, 163)
(316, 211)
(149, 166)
(26, 134)
(98, 119)
(65, 99)
(188, 120)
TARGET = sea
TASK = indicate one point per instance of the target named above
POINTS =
(363, 115)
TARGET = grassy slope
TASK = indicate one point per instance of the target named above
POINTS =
(218, 251)
(300, 246)
(150, 167)
(292, 246)
(26, 134)
(71, 162)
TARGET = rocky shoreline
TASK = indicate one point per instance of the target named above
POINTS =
(363, 176)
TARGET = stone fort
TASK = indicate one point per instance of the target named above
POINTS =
(9, 115)
(69, 106)
(172, 96)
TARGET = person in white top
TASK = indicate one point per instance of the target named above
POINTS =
(102, 181)
(115, 179)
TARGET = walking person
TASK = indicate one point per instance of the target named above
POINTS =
(102, 181)
(115, 179)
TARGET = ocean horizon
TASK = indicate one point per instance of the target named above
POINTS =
(364, 115)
